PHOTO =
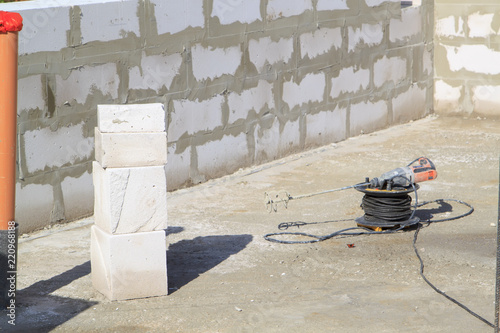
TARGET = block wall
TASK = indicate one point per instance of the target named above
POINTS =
(467, 58)
(242, 81)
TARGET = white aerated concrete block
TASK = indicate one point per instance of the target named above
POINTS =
(277, 9)
(45, 148)
(130, 149)
(450, 27)
(251, 99)
(210, 63)
(310, 89)
(243, 11)
(173, 16)
(129, 200)
(350, 80)
(326, 127)
(318, 42)
(129, 266)
(480, 25)
(366, 117)
(332, 5)
(155, 72)
(266, 51)
(486, 60)
(131, 118)
(409, 25)
(190, 117)
(369, 34)
(84, 81)
(38, 23)
(109, 20)
(389, 69)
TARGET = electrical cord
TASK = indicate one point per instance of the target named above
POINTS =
(366, 231)
(440, 292)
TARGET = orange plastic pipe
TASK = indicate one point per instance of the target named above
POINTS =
(8, 125)
(9, 27)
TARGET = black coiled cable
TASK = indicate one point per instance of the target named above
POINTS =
(390, 209)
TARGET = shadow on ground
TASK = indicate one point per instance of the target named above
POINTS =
(37, 310)
(187, 259)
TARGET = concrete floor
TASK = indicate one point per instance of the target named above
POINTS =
(225, 277)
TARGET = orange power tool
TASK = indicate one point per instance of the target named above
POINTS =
(405, 176)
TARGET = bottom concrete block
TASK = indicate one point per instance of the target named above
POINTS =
(129, 266)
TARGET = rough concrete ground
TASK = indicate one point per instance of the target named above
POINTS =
(225, 277)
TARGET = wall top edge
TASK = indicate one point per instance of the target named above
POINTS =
(40, 4)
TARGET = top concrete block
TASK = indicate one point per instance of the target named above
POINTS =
(230, 11)
(277, 9)
(37, 24)
(173, 16)
(131, 118)
(109, 21)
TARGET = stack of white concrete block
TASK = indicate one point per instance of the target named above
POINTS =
(128, 247)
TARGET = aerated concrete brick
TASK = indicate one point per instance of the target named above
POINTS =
(266, 51)
(310, 89)
(130, 149)
(129, 200)
(277, 9)
(129, 266)
(131, 118)
(231, 11)
(173, 16)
